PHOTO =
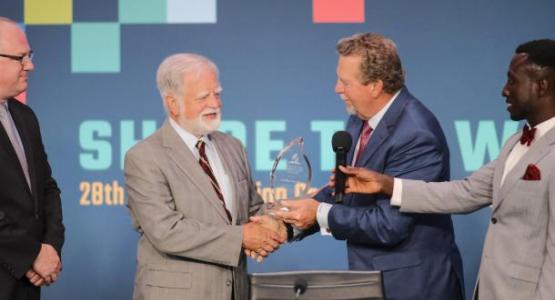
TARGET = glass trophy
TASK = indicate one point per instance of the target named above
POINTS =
(290, 176)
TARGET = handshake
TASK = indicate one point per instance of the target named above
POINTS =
(264, 234)
(46, 267)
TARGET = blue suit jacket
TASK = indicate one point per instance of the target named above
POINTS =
(416, 252)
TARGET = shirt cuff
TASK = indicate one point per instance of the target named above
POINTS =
(397, 192)
(322, 218)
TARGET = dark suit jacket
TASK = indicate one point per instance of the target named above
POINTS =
(417, 253)
(28, 217)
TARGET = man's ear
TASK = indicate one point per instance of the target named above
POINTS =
(375, 88)
(172, 105)
(543, 87)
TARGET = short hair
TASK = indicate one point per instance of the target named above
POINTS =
(540, 52)
(380, 60)
(171, 71)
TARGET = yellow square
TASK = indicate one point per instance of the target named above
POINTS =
(46, 12)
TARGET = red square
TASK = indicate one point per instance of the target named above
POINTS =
(338, 11)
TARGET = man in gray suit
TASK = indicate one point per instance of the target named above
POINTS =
(518, 260)
(191, 194)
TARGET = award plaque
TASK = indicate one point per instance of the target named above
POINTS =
(290, 176)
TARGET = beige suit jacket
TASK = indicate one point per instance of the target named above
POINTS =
(518, 259)
(187, 248)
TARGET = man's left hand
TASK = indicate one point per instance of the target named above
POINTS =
(302, 212)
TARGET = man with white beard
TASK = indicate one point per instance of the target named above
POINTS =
(191, 194)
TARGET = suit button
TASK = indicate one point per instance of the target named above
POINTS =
(493, 220)
(228, 282)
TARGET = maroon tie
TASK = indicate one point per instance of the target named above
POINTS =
(527, 135)
(364, 137)
(205, 165)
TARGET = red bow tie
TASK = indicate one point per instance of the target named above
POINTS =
(527, 135)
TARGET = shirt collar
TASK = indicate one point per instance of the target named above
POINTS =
(544, 127)
(188, 138)
(375, 120)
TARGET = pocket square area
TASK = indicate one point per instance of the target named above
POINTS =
(532, 173)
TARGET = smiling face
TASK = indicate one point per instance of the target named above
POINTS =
(200, 109)
(520, 91)
(14, 74)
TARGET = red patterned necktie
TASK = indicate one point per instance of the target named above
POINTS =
(205, 165)
(527, 135)
(364, 137)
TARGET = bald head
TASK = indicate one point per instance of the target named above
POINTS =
(15, 62)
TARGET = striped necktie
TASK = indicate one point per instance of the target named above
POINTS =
(205, 165)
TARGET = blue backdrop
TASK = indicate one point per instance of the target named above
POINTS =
(95, 94)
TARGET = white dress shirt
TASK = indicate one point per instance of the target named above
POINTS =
(213, 158)
(324, 208)
(515, 155)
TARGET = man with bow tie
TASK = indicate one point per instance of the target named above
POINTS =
(518, 259)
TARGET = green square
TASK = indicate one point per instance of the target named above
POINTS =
(95, 48)
(142, 11)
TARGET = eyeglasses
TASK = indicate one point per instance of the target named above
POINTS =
(22, 58)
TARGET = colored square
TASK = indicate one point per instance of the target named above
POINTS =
(95, 48)
(95, 11)
(338, 11)
(142, 11)
(48, 12)
(12, 10)
(192, 11)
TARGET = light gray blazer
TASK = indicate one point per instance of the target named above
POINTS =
(187, 247)
(518, 259)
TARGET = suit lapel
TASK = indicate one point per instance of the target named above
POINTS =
(22, 130)
(224, 155)
(184, 159)
(536, 152)
(382, 132)
(501, 161)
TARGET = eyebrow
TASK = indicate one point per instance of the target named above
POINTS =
(206, 93)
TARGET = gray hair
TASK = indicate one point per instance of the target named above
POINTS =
(171, 71)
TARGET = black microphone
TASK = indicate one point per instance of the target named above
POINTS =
(341, 143)
(300, 286)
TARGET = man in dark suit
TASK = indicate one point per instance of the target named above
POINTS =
(396, 134)
(31, 229)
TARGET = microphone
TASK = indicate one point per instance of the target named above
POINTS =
(341, 143)
(300, 286)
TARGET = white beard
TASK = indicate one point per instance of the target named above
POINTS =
(199, 126)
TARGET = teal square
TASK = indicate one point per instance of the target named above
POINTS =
(95, 48)
(142, 11)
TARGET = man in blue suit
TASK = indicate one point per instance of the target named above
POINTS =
(395, 134)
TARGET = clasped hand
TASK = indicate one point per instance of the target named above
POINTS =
(262, 236)
(46, 267)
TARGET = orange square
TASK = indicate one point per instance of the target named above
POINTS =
(338, 11)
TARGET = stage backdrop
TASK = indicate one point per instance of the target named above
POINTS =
(95, 94)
